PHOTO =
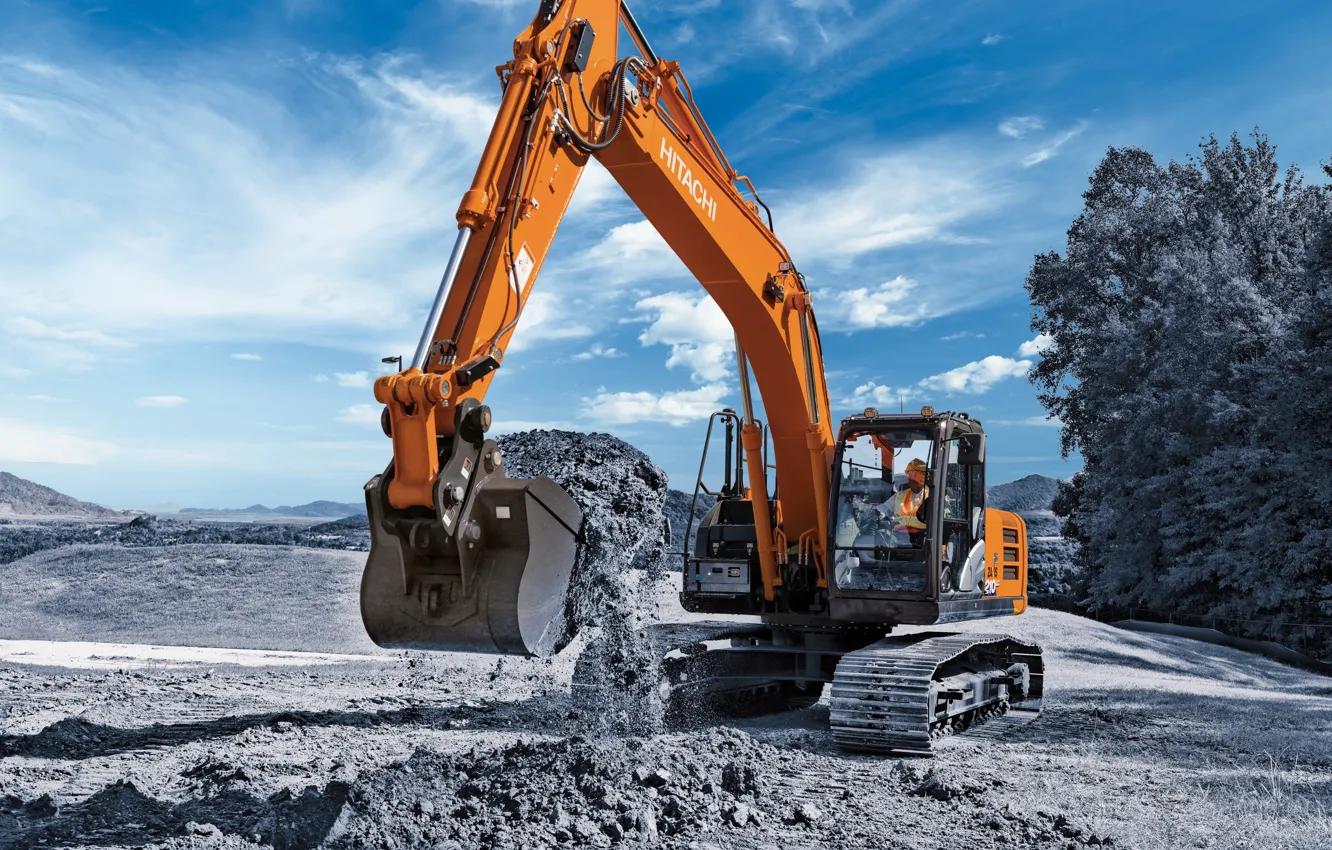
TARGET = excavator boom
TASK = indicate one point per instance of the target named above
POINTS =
(465, 558)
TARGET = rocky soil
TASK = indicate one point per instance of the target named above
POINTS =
(1146, 741)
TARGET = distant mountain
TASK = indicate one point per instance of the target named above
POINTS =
(21, 497)
(1054, 572)
(1033, 493)
(313, 510)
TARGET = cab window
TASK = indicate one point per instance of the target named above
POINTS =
(880, 529)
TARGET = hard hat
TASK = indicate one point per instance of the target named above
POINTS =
(916, 469)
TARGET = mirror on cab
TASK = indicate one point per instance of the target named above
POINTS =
(971, 450)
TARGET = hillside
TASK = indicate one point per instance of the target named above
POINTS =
(1053, 572)
(21, 497)
(1032, 493)
(321, 509)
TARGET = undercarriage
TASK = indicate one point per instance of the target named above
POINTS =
(888, 694)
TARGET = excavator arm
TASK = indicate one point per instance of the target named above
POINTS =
(432, 579)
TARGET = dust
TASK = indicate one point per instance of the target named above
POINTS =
(623, 495)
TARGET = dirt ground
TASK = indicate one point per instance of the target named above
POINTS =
(1145, 741)
(218, 741)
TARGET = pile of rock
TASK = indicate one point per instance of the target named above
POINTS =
(622, 494)
(572, 792)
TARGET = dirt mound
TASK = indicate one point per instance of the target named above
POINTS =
(122, 814)
(579, 791)
(718, 784)
(623, 495)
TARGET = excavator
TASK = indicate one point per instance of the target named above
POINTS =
(465, 558)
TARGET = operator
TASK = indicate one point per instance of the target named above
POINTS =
(907, 504)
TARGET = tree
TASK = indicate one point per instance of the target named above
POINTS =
(1191, 315)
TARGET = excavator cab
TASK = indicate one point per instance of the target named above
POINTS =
(899, 552)
(922, 552)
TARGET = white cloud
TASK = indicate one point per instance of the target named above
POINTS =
(673, 408)
(872, 394)
(321, 379)
(1053, 146)
(246, 356)
(961, 335)
(977, 377)
(631, 252)
(885, 202)
(547, 317)
(179, 206)
(361, 414)
(596, 191)
(44, 399)
(1033, 347)
(972, 379)
(993, 39)
(895, 303)
(818, 5)
(24, 442)
(160, 401)
(697, 332)
(70, 348)
(1031, 422)
(599, 352)
(33, 329)
(358, 380)
(1021, 125)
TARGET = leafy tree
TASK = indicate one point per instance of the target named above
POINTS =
(1191, 315)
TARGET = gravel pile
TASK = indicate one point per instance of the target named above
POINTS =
(578, 791)
(714, 788)
(622, 494)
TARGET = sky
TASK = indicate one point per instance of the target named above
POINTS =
(217, 217)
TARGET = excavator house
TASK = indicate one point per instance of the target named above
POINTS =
(465, 558)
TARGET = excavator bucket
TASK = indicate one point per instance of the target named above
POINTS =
(488, 571)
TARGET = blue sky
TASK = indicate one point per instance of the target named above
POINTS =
(216, 217)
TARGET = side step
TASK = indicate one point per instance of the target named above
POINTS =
(897, 695)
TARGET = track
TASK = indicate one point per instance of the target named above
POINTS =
(897, 695)
(900, 694)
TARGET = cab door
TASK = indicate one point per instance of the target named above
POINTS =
(962, 568)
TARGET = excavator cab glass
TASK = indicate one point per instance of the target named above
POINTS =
(882, 509)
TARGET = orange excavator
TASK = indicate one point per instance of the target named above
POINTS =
(867, 524)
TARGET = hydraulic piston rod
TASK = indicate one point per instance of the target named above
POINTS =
(441, 297)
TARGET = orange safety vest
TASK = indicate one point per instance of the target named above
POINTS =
(905, 506)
